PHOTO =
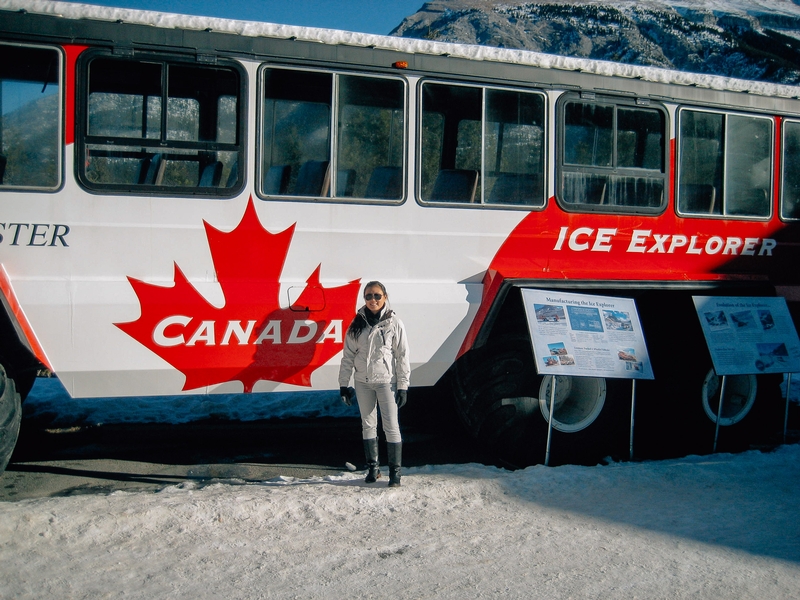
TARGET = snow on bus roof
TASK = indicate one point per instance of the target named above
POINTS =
(408, 45)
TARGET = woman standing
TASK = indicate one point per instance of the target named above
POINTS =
(376, 347)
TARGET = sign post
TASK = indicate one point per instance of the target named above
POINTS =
(748, 336)
(786, 409)
(633, 410)
(719, 412)
(550, 421)
(585, 336)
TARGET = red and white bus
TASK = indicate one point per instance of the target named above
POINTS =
(191, 205)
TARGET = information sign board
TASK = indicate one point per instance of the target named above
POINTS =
(749, 335)
(586, 336)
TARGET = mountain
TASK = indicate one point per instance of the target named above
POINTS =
(30, 140)
(757, 40)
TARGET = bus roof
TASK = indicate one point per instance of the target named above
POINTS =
(69, 10)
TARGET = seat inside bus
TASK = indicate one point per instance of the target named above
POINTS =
(516, 188)
(345, 182)
(455, 185)
(277, 180)
(385, 183)
(211, 175)
(151, 170)
(313, 179)
(698, 198)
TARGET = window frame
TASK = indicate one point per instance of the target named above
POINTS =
(83, 139)
(61, 118)
(333, 142)
(781, 183)
(770, 172)
(614, 170)
(481, 203)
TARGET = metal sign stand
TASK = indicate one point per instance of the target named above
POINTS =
(550, 420)
(719, 412)
(786, 412)
(633, 408)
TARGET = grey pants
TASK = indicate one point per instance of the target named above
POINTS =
(370, 397)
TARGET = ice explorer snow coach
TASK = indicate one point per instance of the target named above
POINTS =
(180, 196)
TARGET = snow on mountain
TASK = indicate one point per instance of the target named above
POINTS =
(734, 38)
(422, 39)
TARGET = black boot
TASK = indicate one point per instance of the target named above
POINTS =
(395, 451)
(371, 452)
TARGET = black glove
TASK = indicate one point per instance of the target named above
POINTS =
(400, 397)
(347, 395)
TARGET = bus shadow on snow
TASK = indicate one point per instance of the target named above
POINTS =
(121, 455)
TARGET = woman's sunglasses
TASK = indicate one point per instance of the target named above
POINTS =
(373, 296)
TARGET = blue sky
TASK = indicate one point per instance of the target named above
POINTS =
(367, 16)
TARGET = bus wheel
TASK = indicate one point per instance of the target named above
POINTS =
(752, 411)
(10, 417)
(504, 404)
(495, 390)
(740, 395)
(578, 401)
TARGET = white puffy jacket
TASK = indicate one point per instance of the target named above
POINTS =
(379, 355)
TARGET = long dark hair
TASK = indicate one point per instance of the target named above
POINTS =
(359, 323)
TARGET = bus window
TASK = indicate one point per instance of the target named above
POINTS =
(790, 180)
(371, 140)
(514, 148)
(160, 126)
(296, 123)
(588, 134)
(612, 155)
(453, 142)
(724, 164)
(482, 146)
(297, 150)
(30, 148)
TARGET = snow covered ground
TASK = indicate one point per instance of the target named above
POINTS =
(721, 526)
(711, 527)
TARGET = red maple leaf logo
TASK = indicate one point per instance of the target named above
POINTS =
(250, 337)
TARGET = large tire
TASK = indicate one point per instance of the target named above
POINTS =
(752, 410)
(739, 398)
(675, 413)
(10, 417)
(678, 417)
(503, 403)
(24, 381)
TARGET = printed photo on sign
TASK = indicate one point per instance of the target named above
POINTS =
(771, 354)
(743, 319)
(547, 313)
(557, 349)
(628, 354)
(617, 320)
(716, 320)
(767, 322)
